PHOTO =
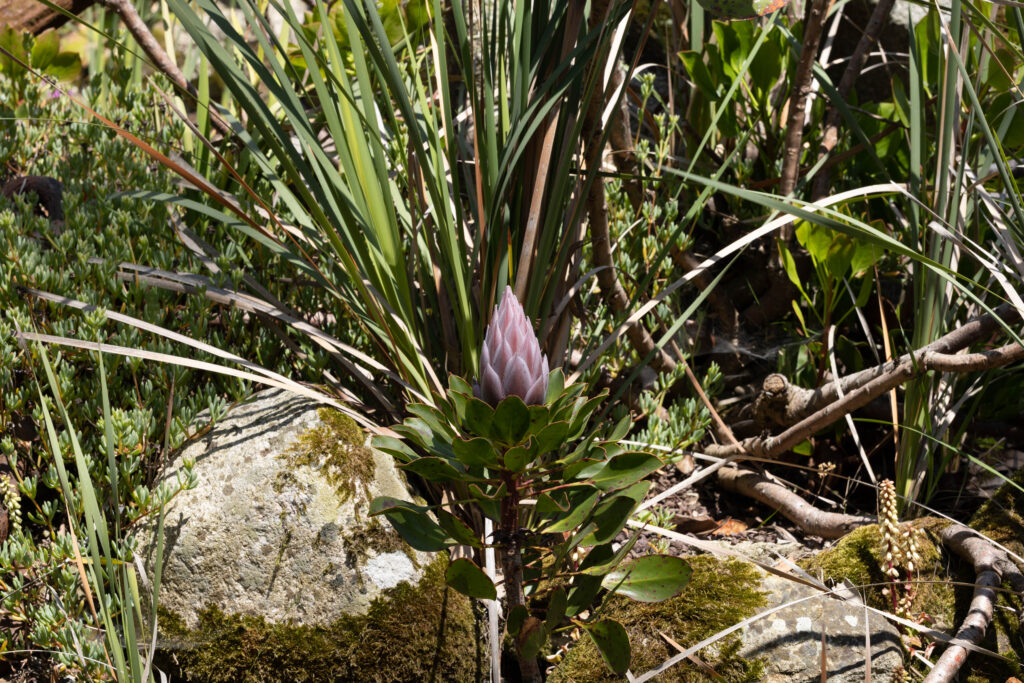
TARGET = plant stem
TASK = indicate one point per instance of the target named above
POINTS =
(512, 566)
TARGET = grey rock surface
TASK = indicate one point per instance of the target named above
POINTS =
(277, 528)
(791, 639)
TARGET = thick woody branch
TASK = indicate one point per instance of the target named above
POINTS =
(798, 100)
(161, 60)
(794, 508)
(600, 240)
(991, 566)
(35, 17)
(893, 375)
(830, 138)
(784, 404)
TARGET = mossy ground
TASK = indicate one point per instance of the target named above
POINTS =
(720, 594)
(413, 633)
(857, 557)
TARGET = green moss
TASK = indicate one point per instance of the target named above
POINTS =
(1001, 518)
(375, 537)
(336, 448)
(413, 633)
(857, 557)
(720, 594)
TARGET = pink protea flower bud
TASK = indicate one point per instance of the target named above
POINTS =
(511, 363)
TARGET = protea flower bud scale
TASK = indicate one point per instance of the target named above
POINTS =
(511, 363)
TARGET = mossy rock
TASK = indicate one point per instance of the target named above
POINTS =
(943, 592)
(275, 571)
(720, 594)
(857, 558)
(1001, 518)
(425, 632)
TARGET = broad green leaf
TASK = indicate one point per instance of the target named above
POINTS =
(620, 430)
(612, 642)
(694, 63)
(539, 417)
(396, 448)
(456, 529)
(556, 383)
(636, 492)
(412, 523)
(464, 576)
(616, 559)
(518, 458)
(511, 420)
(610, 517)
(516, 617)
(531, 637)
(477, 452)
(13, 52)
(651, 578)
(433, 417)
(555, 503)
(456, 383)
(585, 587)
(584, 409)
(552, 437)
(433, 468)
(576, 515)
(44, 51)
(623, 470)
(557, 604)
(489, 504)
(479, 417)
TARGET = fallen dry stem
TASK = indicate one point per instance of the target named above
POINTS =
(893, 375)
(991, 566)
(794, 508)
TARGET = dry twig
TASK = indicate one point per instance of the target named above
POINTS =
(794, 508)
(161, 60)
(991, 566)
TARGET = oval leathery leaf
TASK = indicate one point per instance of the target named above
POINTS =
(476, 452)
(612, 642)
(511, 420)
(651, 578)
(464, 576)
(412, 523)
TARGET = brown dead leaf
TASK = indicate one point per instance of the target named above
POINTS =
(729, 527)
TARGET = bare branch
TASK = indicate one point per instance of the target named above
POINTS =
(144, 37)
(798, 101)
(991, 565)
(876, 23)
(794, 508)
(892, 376)
(784, 404)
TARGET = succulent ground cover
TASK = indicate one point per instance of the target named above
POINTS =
(764, 287)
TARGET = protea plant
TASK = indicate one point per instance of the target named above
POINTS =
(511, 363)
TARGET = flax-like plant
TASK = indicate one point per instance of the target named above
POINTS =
(432, 193)
(103, 551)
